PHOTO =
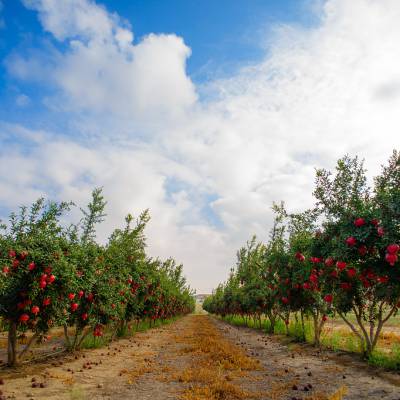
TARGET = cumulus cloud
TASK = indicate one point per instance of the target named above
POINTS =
(133, 177)
(102, 70)
(208, 169)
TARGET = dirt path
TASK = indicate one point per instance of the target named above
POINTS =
(199, 358)
(326, 371)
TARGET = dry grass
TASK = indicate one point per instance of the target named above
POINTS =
(215, 365)
(135, 373)
(338, 395)
(67, 379)
(216, 390)
(386, 340)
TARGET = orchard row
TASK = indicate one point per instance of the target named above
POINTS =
(53, 275)
(339, 258)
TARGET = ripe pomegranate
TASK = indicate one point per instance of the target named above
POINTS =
(71, 296)
(24, 318)
(393, 248)
(12, 254)
(341, 265)
(359, 222)
(329, 262)
(31, 266)
(351, 241)
(46, 301)
(370, 275)
(382, 279)
(345, 285)
(391, 259)
(35, 310)
(74, 306)
(328, 298)
(351, 272)
(362, 250)
(42, 284)
(366, 284)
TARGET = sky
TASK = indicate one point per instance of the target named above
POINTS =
(205, 112)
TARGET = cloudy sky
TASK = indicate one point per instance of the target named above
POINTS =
(203, 111)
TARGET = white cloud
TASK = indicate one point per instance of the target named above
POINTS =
(133, 178)
(320, 92)
(75, 18)
(103, 71)
(22, 100)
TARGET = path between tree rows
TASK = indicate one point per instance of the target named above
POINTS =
(199, 357)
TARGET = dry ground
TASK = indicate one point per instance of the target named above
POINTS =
(200, 358)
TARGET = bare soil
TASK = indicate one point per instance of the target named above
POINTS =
(201, 358)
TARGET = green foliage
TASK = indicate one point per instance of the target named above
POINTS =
(341, 257)
(55, 275)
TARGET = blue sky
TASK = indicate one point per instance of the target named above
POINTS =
(224, 31)
(205, 112)
(223, 35)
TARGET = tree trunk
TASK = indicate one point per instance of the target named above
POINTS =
(316, 330)
(75, 342)
(67, 341)
(13, 358)
(318, 325)
(82, 338)
(12, 345)
(272, 321)
(303, 330)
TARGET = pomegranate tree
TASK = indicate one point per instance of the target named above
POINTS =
(53, 276)
(341, 257)
(35, 274)
(361, 239)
